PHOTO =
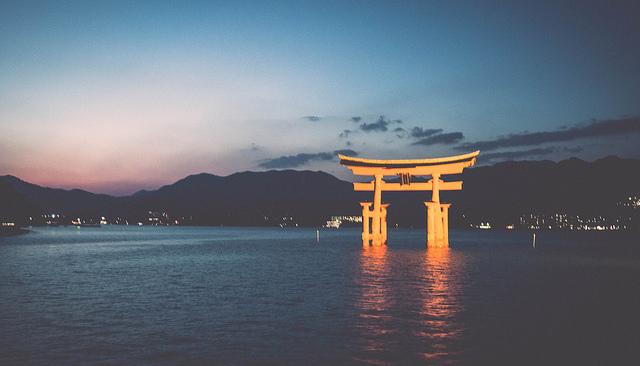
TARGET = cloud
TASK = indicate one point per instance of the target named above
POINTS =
(510, 155)
(593, 129)
(356, 119)
(345, 134)
(380, 125)
(312, 118)
(443, 138)
(419, 132)
(292, 161)
(400, 132)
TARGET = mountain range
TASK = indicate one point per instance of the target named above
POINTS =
(500, 193)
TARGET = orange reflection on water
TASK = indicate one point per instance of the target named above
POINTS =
(374, 272)
(440, 303)
(373, 302)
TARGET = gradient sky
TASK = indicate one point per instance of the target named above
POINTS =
(114, 96)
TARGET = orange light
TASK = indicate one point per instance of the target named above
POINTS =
(374, 214)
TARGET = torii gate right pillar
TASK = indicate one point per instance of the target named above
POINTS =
(437, 224)
(437, 216)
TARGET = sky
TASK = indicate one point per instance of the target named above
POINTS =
(114, 97)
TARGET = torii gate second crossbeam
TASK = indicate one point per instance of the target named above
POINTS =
(437, 212)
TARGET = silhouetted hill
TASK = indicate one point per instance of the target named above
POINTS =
(504, 190)
(12, 203)
(250, 197)
(500, 193)
(74, 201)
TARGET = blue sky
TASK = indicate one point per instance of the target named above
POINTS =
(114, 96)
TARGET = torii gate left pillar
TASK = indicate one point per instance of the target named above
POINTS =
(374, 221)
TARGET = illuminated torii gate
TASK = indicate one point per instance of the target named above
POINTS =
(374, 220)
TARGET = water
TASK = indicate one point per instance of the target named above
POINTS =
(143, 295)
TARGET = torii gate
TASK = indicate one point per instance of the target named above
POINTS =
(437, 212)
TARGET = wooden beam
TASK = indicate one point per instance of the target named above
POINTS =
(442, 160)
(452, 168)
(422, 186)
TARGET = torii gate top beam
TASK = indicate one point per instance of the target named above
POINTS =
(434, 167)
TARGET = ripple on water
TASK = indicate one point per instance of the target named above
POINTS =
(271, 296)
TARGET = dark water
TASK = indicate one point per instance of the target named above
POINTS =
(270, 296)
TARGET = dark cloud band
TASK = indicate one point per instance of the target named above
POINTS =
(593, 129)
(292, 161)
(419, 132)
(510, 155)
(443, 138)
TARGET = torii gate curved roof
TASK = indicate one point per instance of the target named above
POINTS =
(464, 160)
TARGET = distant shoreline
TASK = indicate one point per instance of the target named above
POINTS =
(11, 231)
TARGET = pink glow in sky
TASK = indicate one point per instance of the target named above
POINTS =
(115, 97)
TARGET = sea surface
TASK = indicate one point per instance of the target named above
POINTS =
(265, 296)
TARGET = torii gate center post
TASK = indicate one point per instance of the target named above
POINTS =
(374, 214)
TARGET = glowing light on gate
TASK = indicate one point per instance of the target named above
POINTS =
(374, 214)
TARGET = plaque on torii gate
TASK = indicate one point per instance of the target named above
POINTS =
(374, 219)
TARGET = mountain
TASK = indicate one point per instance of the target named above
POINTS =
(499, 193)
(504, 190)
(14, 205)
(249, 197)
(45, 199)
